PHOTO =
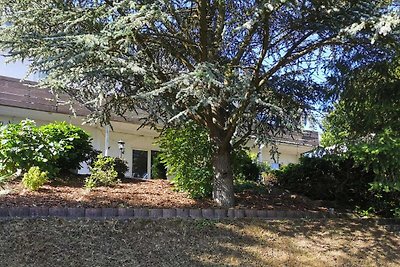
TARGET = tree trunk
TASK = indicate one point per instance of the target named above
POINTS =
(223, 193)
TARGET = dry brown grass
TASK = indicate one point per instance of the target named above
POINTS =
(56, 242)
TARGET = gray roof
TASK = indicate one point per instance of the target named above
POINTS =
(22, 94)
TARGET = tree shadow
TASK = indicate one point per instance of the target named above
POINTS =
(57, 242)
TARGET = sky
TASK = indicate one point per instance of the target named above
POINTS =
(15, 70)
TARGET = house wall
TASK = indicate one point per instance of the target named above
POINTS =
(143, 139)
(288, 153)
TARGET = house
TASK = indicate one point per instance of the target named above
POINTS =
(19, 100)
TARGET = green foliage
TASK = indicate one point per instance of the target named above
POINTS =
(245, 166)
(73, 144)
(365, 125)
(121, 167)
(23, 146)
(339, 179)
(327, 178)
(103, 172)
(52, 147)
(158, 170)
(243, 185)
(381, 153)
(186, 151)
(34, 178)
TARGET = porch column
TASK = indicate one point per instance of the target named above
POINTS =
(107, 140)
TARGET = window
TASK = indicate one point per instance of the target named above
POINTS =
(139, 164)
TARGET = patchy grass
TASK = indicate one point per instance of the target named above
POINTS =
(56, 242)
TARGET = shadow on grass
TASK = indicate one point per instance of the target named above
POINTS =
(55, 242)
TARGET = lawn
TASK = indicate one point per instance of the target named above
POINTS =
(57, 242)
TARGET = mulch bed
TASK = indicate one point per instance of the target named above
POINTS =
(143, 193)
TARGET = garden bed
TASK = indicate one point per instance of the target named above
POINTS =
(145, 193)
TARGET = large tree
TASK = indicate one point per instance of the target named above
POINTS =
(239, 68)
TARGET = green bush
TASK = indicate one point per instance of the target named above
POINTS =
(102, 173)
(23, 146)
(53, 147)
(73, 144)
(327, 178)
(186, 151)
(158, 170)
(339, 179)
(121, 166)
(245, 166)
(34, 178)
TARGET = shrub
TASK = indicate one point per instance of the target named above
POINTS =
(73, 145)
(34, 178)
(23, 146)
(186, 151)
(327, 178)
(342, 180)
(245, 166)
(102, 173)
(158, 170)
(121, 167)
(53, 147)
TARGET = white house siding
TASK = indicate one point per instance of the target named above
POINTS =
(288, 153)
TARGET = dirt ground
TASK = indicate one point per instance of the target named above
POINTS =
(144, 193)
(57, 242)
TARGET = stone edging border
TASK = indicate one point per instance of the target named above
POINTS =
(153, 213)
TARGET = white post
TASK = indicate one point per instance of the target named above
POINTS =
(149, 164)
(107, 140)
(260, 154)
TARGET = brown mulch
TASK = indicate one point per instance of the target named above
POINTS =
(143, 193)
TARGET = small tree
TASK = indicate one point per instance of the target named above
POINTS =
(238, 68)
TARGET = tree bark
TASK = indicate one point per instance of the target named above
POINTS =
(223, 193)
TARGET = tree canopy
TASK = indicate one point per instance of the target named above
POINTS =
(365, 122)
(239, 68)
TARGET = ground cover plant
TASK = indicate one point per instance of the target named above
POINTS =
(55, 242)
(106, 171)
(34, 178)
